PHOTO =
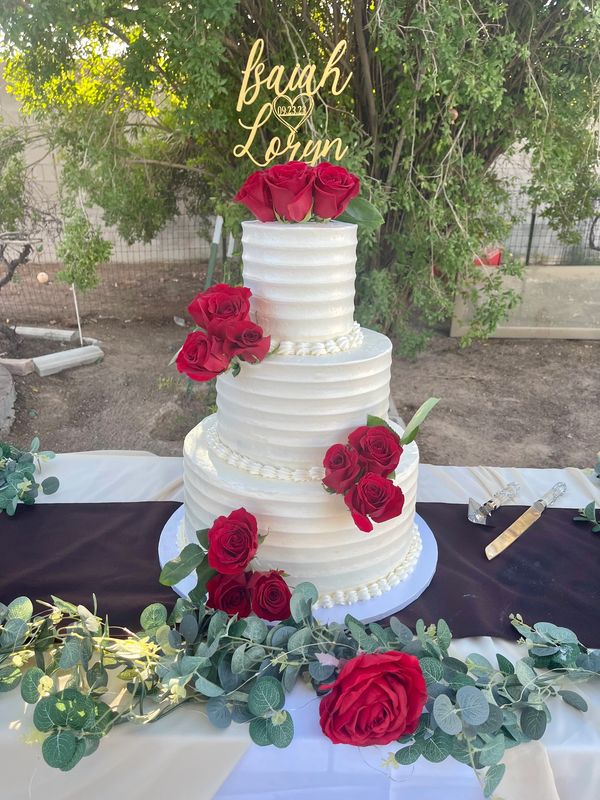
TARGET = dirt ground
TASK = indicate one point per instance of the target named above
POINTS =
(504, 402)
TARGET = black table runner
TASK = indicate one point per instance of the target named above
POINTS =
(551, 574)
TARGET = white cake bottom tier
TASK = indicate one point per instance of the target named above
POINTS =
(309, 533)
(287, 410)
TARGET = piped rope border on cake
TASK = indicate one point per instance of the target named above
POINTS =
(338, 344)
(346, 597)
(235, 459)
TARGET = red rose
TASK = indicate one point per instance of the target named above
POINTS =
(244, 339)
(375, 699)
(256, 196)
(201, 358)
(378, 448)
(374, 497)
(334, 188)
(220, 303)
(232, 542)
(291, 188)
(270, 595)
(341, 468)
(229, 593)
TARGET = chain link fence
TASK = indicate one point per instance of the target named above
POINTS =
(155, 281)
(141, 281)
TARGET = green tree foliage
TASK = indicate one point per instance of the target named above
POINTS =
(140, 98)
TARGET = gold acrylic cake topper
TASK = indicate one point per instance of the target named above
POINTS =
(292, 105)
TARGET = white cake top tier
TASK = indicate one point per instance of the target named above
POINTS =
(301, 277)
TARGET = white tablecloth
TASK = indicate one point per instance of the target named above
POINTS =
(184, 755)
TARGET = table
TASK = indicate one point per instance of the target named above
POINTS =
(185, 752)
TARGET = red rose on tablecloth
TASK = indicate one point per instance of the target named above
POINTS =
(375, 497)
(270, 595)
(256, 196)
(375, 699)
(378, 448)
(229, 593)
(291, 188)
(220, 303)
(201, 358)
(244, 339)
(334, 188)
(232, 542)
(341, 468)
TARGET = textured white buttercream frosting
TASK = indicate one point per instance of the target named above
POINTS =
(264, 448)
(309, 533)
(288, 410)
(301, 277)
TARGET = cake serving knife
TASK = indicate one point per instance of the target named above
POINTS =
(525, 521)
(480, 513)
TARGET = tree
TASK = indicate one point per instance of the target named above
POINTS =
(140, 99)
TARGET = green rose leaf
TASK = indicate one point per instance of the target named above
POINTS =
(266, 696)
(446, 715)
(59, 749)
(473, 705)
(412, 429)
(361, 212)
(188, 560)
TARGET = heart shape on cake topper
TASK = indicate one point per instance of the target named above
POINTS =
(293, 112)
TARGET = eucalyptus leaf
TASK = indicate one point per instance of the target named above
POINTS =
(59, 749)
(492, 779)
(492, 751)
(280, 729)
(153, 616)
(446, 715)
(432, 669)
(401, 631)
(258, 731)
(207, 688)
(533, 722)
(218, 712)
(29, 685)
(570, 697)
(408, 755)
(266, 695)
(473, 705)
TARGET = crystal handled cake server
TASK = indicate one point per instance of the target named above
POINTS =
(479, 514)
(525, 521)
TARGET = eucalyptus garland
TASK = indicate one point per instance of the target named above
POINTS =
(65, 657)
(17, 475)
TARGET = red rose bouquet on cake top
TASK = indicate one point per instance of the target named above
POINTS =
(225, 336)
(298, 192)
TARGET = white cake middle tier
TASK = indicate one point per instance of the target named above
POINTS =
(287, 410)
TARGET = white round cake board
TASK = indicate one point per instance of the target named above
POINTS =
(402, 595)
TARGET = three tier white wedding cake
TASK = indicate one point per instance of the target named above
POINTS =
(264, 447)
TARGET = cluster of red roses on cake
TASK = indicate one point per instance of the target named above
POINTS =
(360, 471)
(232, 544)
(294, 191)
(226, 333)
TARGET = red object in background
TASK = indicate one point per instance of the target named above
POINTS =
(491, 258)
